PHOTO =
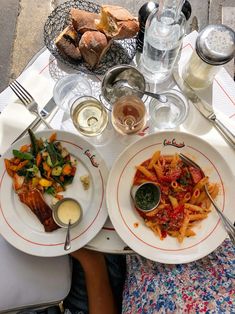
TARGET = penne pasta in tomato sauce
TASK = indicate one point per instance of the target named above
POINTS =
(183, 201)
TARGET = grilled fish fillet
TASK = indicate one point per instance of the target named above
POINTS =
(34, 200)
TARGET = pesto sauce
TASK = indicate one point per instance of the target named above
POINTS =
(147, 196)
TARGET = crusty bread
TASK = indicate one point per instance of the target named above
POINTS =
(93, 45)
(67, 43)
(91, 34)
(116, 22)
(83, 21)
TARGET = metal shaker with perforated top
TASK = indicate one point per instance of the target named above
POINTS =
(215, 46)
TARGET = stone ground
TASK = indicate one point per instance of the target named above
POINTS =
(22, 22)
(9, 10)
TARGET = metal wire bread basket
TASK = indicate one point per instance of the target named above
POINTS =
(120, 51)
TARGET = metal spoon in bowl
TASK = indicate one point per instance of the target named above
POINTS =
(121, 84)
(67, 213)
(67, 244)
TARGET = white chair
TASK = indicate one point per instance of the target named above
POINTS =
(28, 281)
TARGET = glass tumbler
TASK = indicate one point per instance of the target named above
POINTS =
(69, 88)
(171, 114)
(89, 116)
(129, 115)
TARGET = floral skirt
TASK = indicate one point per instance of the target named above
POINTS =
(204, 286)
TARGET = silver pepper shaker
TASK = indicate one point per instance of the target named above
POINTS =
(215, 46)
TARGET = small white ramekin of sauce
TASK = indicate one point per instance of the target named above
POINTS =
(65, 210)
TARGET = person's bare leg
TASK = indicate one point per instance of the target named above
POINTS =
(100, 296)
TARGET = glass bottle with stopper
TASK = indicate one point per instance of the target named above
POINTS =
(164, 31)
(215, 46)
(144, 12)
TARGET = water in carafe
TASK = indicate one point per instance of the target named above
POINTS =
(163, 37)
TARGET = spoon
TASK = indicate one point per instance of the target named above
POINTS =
(67, 244)
(121, 84)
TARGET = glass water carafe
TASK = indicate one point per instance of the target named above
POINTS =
(164, 31)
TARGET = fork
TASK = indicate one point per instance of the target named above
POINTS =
(228, 225)
(27, 100)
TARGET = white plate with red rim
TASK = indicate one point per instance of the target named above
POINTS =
(21, 228)
(130, 226)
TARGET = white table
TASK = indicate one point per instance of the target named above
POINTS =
(41, 75)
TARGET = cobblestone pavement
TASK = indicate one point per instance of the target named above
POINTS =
(8, 17)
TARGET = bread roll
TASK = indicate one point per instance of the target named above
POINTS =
(83, 21)
(93, 45)
(117, 22)
(67, 43)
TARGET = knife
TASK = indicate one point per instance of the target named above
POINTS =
(205, 109)
(44, 113)
(48, 108)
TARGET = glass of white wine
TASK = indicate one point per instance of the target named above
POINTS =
(129, 115)
(89, 116)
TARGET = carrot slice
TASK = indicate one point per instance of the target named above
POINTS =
(24, 148)
(8, 164)
(67, 169)
(52, 138)
(38, 159)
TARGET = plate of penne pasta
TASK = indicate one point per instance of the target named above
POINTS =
(184, 226)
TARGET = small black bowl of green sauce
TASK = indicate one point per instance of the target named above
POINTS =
(146, 196)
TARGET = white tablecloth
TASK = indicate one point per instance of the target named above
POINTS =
(39, 79)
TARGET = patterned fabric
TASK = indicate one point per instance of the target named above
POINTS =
(204, 286)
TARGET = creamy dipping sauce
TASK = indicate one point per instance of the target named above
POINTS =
(69, 210)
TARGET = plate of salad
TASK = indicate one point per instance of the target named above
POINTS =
(36, 172)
